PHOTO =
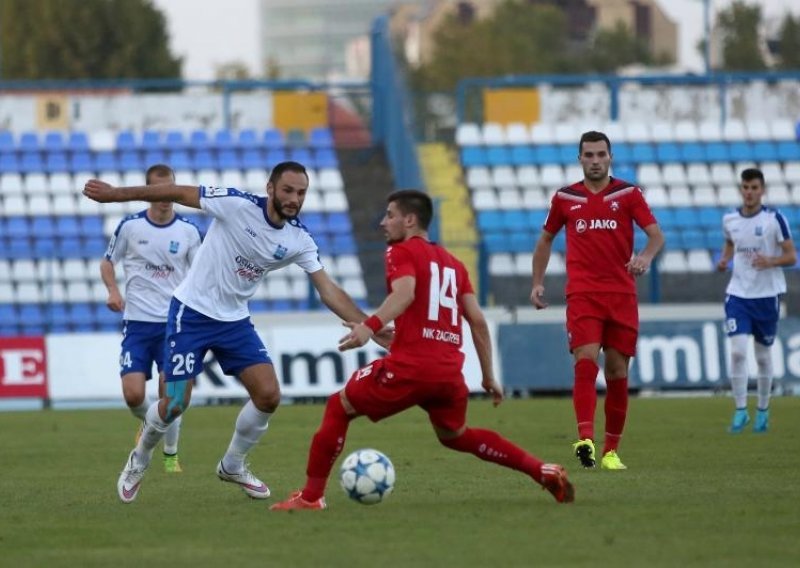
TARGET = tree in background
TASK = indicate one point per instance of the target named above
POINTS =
(741, 43)
(86, 39)
(521, 38)
(789, 43)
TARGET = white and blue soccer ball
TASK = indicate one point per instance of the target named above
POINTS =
(367, 476)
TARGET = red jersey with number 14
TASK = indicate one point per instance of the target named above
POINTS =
(428, 336)
(599, 230)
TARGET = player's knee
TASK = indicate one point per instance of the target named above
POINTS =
(267, 400)
(134, 399)
(738, 357)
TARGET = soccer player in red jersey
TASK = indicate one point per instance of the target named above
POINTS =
(598, 214)
(429, 293)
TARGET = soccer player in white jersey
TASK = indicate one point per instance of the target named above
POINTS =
(249, 237)
(156, 247)
(758, 240)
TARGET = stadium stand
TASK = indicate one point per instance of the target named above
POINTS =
(51, 238)
(689, 172)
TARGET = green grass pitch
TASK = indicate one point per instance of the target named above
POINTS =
(693, 495)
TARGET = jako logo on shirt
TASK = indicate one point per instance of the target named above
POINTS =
(602, 224)
(280, 252)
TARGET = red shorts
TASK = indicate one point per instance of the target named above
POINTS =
(378, 393)
(608, 318)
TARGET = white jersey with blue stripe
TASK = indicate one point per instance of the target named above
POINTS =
(240, 248)
(761, 233)
(155, 258)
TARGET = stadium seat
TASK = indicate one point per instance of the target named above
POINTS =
(517, 134)
(198, 140)
(28, 142)
(501, 264)
(203, 160)
(638, 132)
(9, 163)
(326, 158)
(272, 139)
(468, 134)
(668, 152)
(484, 198)
(31, 162)
(493, 134)
(758, 130)
(321, 138)
(704, 196)
(718, 152)
(77, 142)
(709, 131)
(7, 141)
(247, 139)
(734, 131)
(691, 152)
(680, 196)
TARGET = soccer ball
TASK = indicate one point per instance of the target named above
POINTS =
(367, 476)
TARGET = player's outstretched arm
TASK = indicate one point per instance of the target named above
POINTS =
(541, 256)
(396, 302)
(100, 191)
(483, 346)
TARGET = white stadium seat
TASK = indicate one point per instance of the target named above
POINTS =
(663, 131)
(615, 132)
(504, 177)
(686, 131)
(783, 129)
(698, 174)
(728, 196)
(722, 174)
(704, 196)
(534, 198)
(355, 287)
(656, 196)
(778, 194)
(334, 201)
(468, 134)
(493, 134)
(773, 173)
(553, 176)
(791, 173)
(674, 174)
(709, 131)
(330, 179)
(36, 183)
(517, 133)
(649, 175)
(61, 182)
(523, 263)
(41, 204)
(232, 178)
(672, 261)
(28, 293)
(14, 204)
(542, 133)
(758, 130)
(699, 261)
(567, 133)
(733, 130)
(680, 196)
(12, 182)
(23, 270)
(484, 199)
(501, 264)
(557, 264)
(509, 199)
(528, 176)
(478, 177)
(638, 132)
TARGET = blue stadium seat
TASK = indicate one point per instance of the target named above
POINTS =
(17, 228)
(9, 163)
(273, 157)
(520, 242)
(58, 316)
(151, 140)
(519, 155)
(247, 139)
(126, 141)
(498, 156)
(765, 151)
(473, 156)
(54, 142)
(665, 217)
(228, 160)
(567, 154)
(32, 162)
(198, 140)
(31, 315)
(82, 316)
(281, 306)
(787, 151)
(67, 226)
(560, 243)
(296, 138)
(258, 305)
(105, 319)
(105, 161)
(339, 223)
(68, 247)
(44, 247)
(693, 152)
(740, 151)
(93, 247)
(43, 227)
(717, 152)
(253, 159)
(81, 162)
(624, 171)
(28, 142)
(204, 160)
(7, 141)
(3, 233)
(130, 161)
(18, 249)
(153, 157)
(515, 220)
(302, 156)
(326, 158)
(639, 240)
(91, 225)
(692, 238)
(224, 140)
(621, 151)
(642, 152)
(495, 242)
(709, 217)
(179, 160)
(57, 162)
(668, 152)
(272, 139)
(686, 217)
(174, 140)
(78, 142)
(324, 241)
(320, 138)
(536, 218)
(343, 244)
(547, 154)
(314, 221)
(490, 222)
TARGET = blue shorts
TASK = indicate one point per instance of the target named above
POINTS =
(755, 316)
(142, 345)
(190, 335)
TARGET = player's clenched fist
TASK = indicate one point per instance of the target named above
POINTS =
(99, 191)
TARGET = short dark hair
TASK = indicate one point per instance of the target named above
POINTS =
(413, 201)
(593, 136)
(288, 166)
(749, 174)
(161, 170)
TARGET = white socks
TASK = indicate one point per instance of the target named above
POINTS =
(764, 380)
(739, 344)
(171, 436)
(140, 411)
(250, 426)
(154, 429)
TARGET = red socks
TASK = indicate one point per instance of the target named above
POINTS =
(326, 446)
(492, 447)
(584, 396)
(616, 408)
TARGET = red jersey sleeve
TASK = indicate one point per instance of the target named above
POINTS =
(640, 210)
(399, 262)
(555, 217)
